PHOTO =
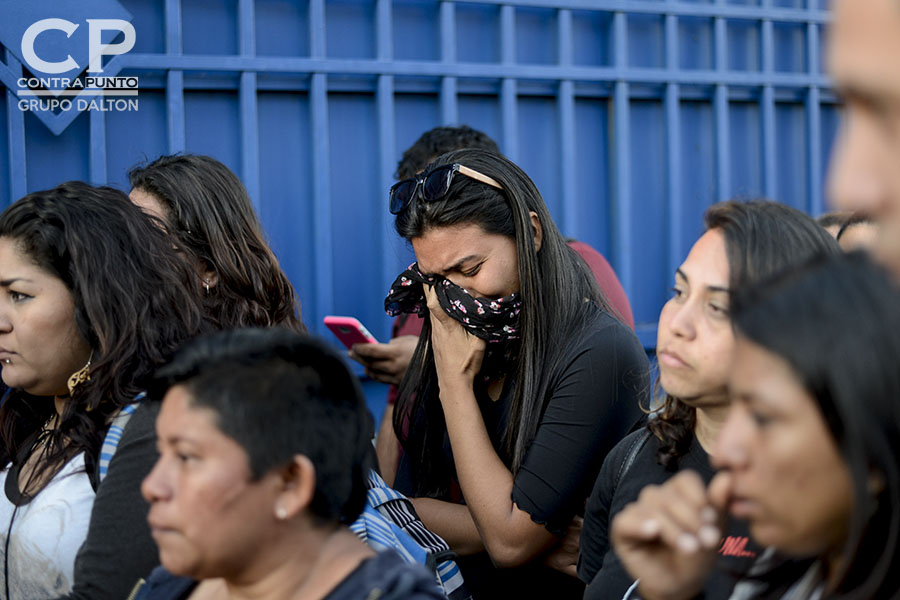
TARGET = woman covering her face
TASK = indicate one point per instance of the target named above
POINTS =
(744, 243)
(206, 208)
(93, 299)
(808, 455)
(521, 381)
(265, 442)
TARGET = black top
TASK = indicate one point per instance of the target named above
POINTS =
(119, 549)
(594, 401)
(384, 576)
(599, 566)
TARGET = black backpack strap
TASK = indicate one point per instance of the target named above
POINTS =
(636, 445)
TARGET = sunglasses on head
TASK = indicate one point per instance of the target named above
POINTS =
(432, 185)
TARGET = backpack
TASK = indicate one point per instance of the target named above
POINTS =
(389, 521)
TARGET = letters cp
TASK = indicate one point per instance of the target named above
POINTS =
(96, 50)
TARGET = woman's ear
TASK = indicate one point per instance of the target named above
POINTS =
(297, 487)
(538, 230)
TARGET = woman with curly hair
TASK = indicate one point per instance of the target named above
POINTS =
(744, 243)
(94, 299)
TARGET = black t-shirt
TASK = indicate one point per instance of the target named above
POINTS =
(599, 565)
(594, 402)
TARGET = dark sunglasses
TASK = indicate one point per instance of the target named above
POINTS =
(432, 185)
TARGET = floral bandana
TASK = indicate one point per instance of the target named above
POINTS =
(491, 320)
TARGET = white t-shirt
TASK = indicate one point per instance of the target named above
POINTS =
(46, 534)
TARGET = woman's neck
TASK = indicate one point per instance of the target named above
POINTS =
(711, 414)
(300, 571)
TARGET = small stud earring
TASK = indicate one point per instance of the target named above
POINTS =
(207, 287)
(281, 513)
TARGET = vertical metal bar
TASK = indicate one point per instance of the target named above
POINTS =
(449, 114)
(566, 107)
(509, 108)
(672, 57)
(384, 99)
(321, 172)
(15, 124)
(622, 205)
(674, 171)
(816, 201)
(97, 140)
(720, 107)
(174, 79)
(249, 107)
(324, 272)
(770, 159)
(620, 43)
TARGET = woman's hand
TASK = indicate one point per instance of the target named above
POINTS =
(457, 353)
(386, 363)
(564, 556)
(669, 537)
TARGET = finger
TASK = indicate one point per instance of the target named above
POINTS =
(370, 351)
(685, 500)
(720, 490)
(676, 519)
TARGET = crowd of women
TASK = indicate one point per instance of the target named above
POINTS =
(170, 431)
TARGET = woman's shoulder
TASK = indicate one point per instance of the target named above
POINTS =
(387, 576)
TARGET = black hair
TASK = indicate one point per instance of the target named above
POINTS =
(761, 239)
(837, 324)
(208, 210)
(554, 286)
(134, 305)
(441, 140)
(279, 393)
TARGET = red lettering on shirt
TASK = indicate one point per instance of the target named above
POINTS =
(736, 546)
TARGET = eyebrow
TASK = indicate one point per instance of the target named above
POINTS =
(711, 288)
(9, 282)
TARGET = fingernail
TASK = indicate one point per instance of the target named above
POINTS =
(709, 536)
(709, 514)
(688, 543)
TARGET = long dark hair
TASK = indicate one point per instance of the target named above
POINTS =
(135, 303)
(209, 212)
(837, 324)
(761, 239)
(554, 284)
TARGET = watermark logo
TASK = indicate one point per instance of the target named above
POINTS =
(68, 51)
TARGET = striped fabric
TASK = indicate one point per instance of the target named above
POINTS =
(389, 521)
(114, 435)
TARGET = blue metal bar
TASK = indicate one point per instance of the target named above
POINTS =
(97, 139)
(620, 46)
(769, 158)
(672, 55)
(174, 77)
(384, 98)
(316, 30)
(566, 101)
(509, 101)
(321, 200)
(473, 70)
(674, 180)
(816, 202)
(15, 124)
(249, 107)
(719, 9)
(384, 28)
(449, 113)
(565, 37)
(723, 143)
(622, 237)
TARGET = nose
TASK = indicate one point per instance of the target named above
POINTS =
(155, 486)
(854, 182)
(731, 450)
(5, 321)
(682, 321)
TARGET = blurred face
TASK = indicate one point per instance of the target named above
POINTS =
(862, 236)
(694, 337)
(864, 174)
(207, 516)
(148, 203)
(789, 481)
(40, 346)
(485, 264)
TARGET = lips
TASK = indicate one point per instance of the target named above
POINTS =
(671, 359)
(6, 354)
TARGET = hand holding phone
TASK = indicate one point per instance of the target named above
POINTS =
(349, 330)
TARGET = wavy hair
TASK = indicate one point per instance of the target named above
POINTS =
(762, 238)
(208, 210)
(837, 324)
(554, 284)
(135, 303)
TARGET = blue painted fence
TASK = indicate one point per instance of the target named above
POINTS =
(631, 116)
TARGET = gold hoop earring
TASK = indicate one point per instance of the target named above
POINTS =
(80, 376)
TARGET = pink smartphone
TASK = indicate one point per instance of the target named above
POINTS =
(349, 330)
